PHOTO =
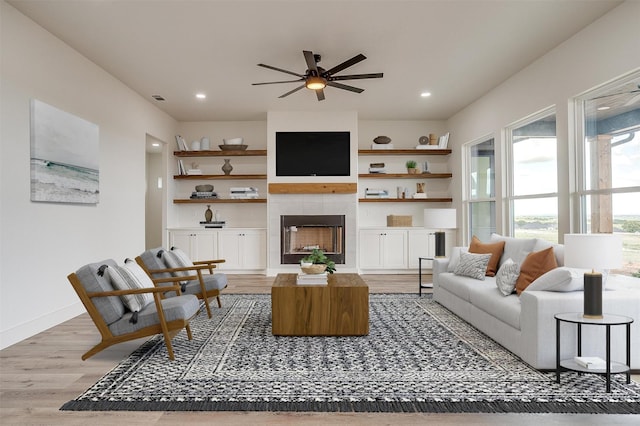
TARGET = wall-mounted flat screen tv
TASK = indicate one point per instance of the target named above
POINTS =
(313, 154)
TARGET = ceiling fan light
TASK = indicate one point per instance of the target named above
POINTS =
(316, 83)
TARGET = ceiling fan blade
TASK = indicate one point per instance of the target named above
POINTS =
(311, 61)
(345, 87)
(320, 94)
(346, 64)
(355, 76)
(277, 82)
(291, 91)
(281, 70)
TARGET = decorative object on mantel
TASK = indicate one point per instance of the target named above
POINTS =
(411, 167)
(423, 140)
(204, 188)
(383, 140)
(433, 139)
(420, 191)
(208, 214)
(233, 141)
(593, 251)
(440, 219)
(227, 167)
(195, 145)
(205, 144)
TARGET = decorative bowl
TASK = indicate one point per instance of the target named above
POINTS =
(316, 268)
(233, 147)
(233, 141)
(382, 140)
(204, 188)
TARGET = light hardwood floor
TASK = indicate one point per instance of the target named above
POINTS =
(41, 373)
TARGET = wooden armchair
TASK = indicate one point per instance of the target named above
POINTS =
(114, 322)
(161, 263)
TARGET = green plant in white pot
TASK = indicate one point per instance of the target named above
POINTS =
(317, 257)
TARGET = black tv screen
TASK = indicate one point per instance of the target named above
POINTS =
(313, 154)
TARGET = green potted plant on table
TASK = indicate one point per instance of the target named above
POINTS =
(412, 167)
(317, 257)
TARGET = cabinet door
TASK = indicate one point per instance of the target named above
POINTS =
(395, 249)
(370, 249)
(229, 249)
(253, 249)
(422, 243)
(198, 245)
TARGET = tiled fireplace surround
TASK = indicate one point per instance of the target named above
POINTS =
(312, 204)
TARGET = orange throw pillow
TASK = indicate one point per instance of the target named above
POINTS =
(535, 265)
(495, 249)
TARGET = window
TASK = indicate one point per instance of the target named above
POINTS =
(533, 184)
(608, 184)
(480, 197)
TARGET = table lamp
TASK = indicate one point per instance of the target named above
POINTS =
(595, 252)
(440, 219)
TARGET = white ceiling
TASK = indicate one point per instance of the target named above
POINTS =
(457, 50)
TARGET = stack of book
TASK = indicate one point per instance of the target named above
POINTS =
(205, 194)
(591, 362)
(420, 195)
(376, 193)
(377, 168)
(241, 193)
(182, 144)
(381, 146)
(214, 224)
(312, 279)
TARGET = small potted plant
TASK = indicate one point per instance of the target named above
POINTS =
(411, 167)
(317, 257)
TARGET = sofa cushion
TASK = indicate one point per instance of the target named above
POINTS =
(455, 257)
(487, 297)
(473, 265)
(507, 276)
(515, 249)
(495, 249)
(457, 285)
(534, 265)
(174, 308)
(559, 279)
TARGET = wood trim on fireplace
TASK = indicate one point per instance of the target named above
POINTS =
(313, 188)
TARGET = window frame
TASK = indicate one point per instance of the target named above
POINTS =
(467, 199)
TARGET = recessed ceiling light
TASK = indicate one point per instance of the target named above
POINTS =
(603, 108)
(156, 144)
(201, 95)
(425, 94)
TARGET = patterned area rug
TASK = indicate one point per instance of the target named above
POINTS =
(418, 357)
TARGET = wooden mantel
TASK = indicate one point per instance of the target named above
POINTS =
(313, 188)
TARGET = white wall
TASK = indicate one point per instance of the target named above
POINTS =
(601, 52)
(41, 243)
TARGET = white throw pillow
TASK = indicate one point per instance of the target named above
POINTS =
(473, 265)
(182, 257)
(507, 276)
(559, 279)
(515, 249)
(172, 260)
(131, 276)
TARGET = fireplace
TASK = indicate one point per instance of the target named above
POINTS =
(300, 234)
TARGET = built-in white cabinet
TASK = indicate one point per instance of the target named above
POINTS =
(198, 244)
(243, 249)
(383, 248)
(422, 243)
(398, 249)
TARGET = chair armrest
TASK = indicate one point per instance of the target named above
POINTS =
(134, 291)
(182, 268)
(208, 262)
(438, 266)
(173, 279)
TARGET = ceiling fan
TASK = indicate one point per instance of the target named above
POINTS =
(317, 78)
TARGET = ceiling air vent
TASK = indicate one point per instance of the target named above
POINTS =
(158, 98)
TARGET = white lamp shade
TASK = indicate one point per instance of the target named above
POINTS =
(593, 251)
(440, 218)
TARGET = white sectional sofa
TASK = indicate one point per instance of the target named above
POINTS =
(525, 324)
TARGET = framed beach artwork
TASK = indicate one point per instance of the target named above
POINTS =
(64, 156)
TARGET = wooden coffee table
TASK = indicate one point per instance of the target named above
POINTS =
(340, 308)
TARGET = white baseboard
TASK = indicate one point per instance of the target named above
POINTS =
(32, 327)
